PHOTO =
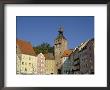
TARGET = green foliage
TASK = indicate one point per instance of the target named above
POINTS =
(43, 48)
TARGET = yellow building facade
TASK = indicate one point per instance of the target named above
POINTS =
(18, 64)
(18, 59)
(28, 64)
(26, 60)
(51, 67)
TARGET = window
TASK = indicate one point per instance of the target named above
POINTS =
(82, 59)
(41, 56)
(56, 45)
(80, 55)
(90, 55)
(25, 69)
(89, 48)
(23, 57)
(22, 63)
(85, 53)
(42, 65)
(29, 64)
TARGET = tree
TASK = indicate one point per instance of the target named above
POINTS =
(43, 48)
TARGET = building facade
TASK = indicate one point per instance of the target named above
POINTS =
(18, 59)
(60, 45)
(50, 67)
(79, 60)
(67, 63)
(26, 60)
(91, 46)
(76, 61)
(41, 64)
(50, 64)
(86, 54)
(28, 64)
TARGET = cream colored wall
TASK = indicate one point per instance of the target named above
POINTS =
(28, 64)
(51, 67)
(18, 64)
(59, 50)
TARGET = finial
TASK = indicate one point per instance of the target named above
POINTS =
(61, 28)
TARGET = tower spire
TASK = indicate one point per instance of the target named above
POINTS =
(61, 30)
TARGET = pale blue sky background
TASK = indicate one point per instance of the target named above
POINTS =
(38, 29)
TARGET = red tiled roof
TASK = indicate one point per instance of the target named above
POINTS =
(25, 47)
(67, 53)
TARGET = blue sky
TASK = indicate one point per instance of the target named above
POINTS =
(38, 29)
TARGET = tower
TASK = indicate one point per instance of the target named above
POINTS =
(60, 45)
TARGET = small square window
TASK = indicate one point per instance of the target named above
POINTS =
(29, 64)
(22, 63)
(25, 69)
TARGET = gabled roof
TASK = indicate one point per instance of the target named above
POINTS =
(25, 47)
(83, 45)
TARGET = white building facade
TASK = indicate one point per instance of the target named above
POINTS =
(41, 64)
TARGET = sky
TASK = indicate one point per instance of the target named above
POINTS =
(39, 29)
